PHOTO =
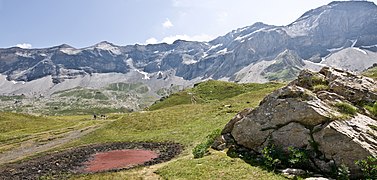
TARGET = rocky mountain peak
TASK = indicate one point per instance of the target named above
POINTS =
(326, 108)
(338, 7)
(104, 43)
(347, 4)
(64, 46)
(255, 53)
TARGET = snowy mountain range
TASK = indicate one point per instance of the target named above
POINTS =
(342, 34)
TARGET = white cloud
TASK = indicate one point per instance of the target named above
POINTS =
(167, 24)
(151, 40)
(24, 46)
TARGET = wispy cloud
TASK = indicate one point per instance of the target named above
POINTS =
(151, 40)
(24, 46)
(167, 24)
(171, 39)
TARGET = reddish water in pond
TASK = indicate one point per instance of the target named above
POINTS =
(118, 159)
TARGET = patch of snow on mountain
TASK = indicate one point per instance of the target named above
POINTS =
(335, 49)
(146, 75)
(17, 82)
(131, 64)
(223, 51)
(187, 59)
(360, 50)
(240, 38)
(24, 54)
(70, 51)
(371, 46)
(204, 55)
(214, 47)
(354, 42)
(323, 60)
(242, 29)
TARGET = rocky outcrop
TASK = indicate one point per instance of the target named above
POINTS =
(311, 113)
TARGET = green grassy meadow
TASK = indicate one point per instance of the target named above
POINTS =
(177, 118)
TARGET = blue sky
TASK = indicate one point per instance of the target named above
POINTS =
(82, 23)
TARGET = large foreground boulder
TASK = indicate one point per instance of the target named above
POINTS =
(320, 111)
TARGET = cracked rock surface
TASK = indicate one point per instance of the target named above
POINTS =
(305, 112)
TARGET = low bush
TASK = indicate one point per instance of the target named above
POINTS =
(275, 157)
(372, 108)
(320, 87)
(297, 157)
(346, 108)
(200, 149)
(369, 167)
(343, 172)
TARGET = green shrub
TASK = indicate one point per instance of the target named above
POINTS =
(273, 157)
(343, 172)
(346, 108)
(369, 167)
(318, 80)
(297, 157)
(372, 108)
(200, 150)
(320, 87)
(372, 73)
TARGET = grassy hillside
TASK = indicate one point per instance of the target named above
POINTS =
(211, 92)
(26, 130)
(186, 117)
(178, 119)
(372, 73)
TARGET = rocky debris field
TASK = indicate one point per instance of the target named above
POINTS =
(64, 164)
